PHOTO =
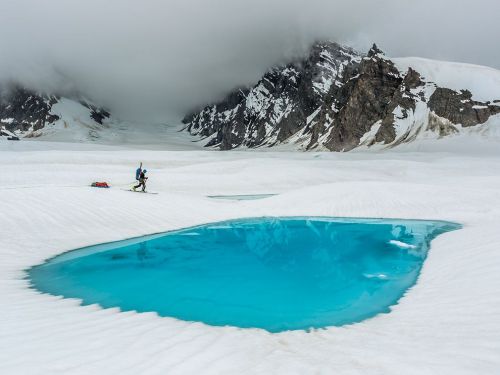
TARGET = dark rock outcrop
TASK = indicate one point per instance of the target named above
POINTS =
(96, 113)
(459, 108)
(365, 100)
(22, 109)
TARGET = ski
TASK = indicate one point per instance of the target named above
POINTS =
(140, 191)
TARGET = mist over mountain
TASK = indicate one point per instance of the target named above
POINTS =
(156, 60)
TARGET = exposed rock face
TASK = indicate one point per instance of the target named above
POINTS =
(336, 99)
(24, 111)
(96, 113)
(280, 104)
(21, 109)
(459, 108)
(365, 100)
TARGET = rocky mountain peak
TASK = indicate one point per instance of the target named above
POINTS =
(336, 99)
(374, 51)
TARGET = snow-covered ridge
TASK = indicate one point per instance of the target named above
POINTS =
(482, 81)
(337, 99)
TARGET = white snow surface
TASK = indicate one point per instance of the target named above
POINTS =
(448, 323)
(482, 81)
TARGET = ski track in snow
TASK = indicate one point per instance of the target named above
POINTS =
(448, 323)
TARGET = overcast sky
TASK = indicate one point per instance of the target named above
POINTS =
(163, 57)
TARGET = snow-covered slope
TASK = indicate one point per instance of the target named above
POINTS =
(75, 122)
(339, 100)
(448, 323)
(35, 116)
(28, 113)
(483, 82)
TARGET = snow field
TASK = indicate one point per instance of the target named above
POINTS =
(447, 323)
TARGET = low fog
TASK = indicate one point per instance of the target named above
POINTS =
(153, 59)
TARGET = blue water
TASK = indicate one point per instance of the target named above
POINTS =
(272, 273)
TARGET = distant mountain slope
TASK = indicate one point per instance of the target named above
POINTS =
(27, 113)
(338, 99)
(31, 115)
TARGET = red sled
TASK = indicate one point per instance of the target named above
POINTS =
(100, 185)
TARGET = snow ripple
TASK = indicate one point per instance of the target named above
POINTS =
(447, 322)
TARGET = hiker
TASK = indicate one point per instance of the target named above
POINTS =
(142, 180)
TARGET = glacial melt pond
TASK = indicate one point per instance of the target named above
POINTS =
(277, 274)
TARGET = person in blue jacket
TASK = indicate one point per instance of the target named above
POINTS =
(142, 180)
(138, 172)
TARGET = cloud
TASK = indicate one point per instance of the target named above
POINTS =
(158, 59)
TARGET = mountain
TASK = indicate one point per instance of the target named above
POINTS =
(27, 113)
(338, 99)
